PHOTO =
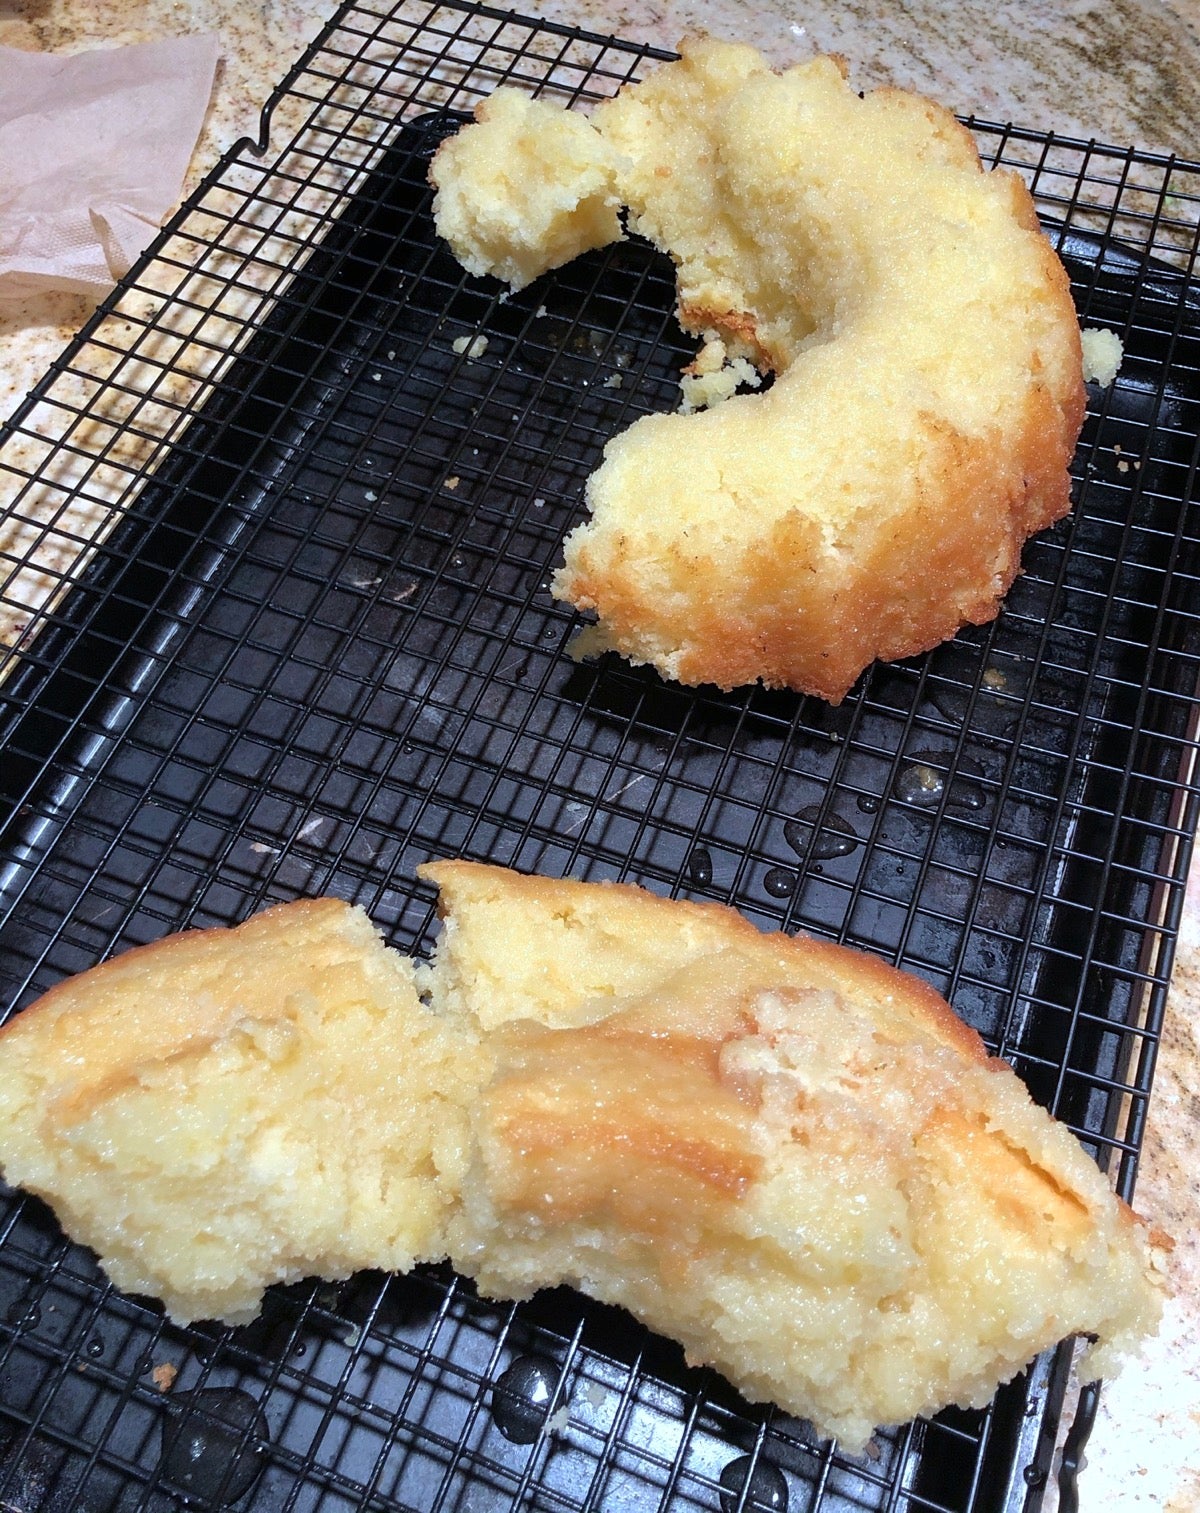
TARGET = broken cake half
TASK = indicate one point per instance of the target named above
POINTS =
(785, 1154)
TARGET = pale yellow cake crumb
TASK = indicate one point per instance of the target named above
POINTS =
(1103, 353)
(524, 189)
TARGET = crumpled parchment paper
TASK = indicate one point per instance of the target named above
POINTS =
(93, 150)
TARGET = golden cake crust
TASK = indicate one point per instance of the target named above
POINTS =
(594, 916)
(90, 1028)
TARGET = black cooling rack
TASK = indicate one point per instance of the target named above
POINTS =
(279, 528)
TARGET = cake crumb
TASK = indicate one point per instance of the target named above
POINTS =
(706, 386)
(711, 357)
(163, 1376)
(470, 347)
(1102, 354)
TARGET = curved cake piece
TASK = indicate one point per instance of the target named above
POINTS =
(226, 1109)
(787, 1155)
(928, 390)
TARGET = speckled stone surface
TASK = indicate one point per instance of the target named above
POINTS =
(1145, 1452)
(259, 42)
(1124, 72)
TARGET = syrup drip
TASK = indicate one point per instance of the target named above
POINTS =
(521, 1398)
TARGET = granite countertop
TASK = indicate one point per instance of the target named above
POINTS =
(1126, 72)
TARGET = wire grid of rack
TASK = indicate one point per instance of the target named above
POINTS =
(276, 552)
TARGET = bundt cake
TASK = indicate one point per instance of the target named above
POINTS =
(788, 1155)
(928, 387)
